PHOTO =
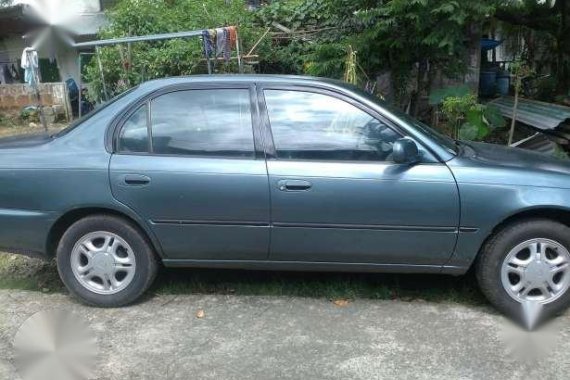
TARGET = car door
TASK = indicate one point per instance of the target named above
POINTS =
(336, 195)
(186, 162)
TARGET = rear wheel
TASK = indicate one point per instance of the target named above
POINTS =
(105, 261)
(527, 261)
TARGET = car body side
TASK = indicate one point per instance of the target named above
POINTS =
(45, 186)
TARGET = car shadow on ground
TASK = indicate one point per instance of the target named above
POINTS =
(23, 273)
(405, 287)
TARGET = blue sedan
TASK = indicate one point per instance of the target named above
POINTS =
(280, 173)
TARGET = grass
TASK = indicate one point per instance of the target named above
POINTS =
(11, 124)
(22, 273)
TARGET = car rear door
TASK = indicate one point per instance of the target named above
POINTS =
(186, 161)
(336, 194)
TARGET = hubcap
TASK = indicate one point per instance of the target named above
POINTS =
(103, 262)
(536, 270)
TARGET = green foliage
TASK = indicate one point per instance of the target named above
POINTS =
(125, 66)
(394, 35)
(469, 119)
(30, 113)
(296, 14)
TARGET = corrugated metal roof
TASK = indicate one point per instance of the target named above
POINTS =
(540, 115)
(537, 142)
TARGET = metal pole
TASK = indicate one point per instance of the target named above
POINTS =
(153, 37)
(101, 72)
(36, 88)
(79, 86)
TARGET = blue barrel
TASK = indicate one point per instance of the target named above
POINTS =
(503, 82)
(487, 82)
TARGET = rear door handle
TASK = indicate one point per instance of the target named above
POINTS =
(136, 179)
(293, 185)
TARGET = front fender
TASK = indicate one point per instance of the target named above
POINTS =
(486, 206)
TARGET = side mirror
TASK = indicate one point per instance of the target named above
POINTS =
(405, 151)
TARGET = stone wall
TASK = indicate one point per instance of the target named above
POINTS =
(16, 96)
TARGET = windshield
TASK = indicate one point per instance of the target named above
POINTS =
(94, 112)
(439, 137)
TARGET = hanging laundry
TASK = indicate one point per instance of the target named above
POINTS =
(220, 41)
(14, 72)
(232, 31)
(212, 34)
(208, 43)
(227, 47)
(30, 64)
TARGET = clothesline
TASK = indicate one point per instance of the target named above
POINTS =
(220, 42)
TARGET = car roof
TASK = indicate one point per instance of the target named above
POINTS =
(245, 78)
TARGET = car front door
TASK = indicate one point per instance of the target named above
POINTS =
(186, 162)
(336, 194)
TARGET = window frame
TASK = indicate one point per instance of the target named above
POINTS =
(271, 151)
(258, 151)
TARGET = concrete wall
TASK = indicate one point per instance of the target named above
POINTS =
(16, 96)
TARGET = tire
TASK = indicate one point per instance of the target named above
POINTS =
(496, 251)
(133, 256)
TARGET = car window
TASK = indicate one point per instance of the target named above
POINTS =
(203, 122)
(134, 134)
(314, 126)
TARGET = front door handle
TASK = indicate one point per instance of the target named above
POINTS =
(136, 179)
(293, 185)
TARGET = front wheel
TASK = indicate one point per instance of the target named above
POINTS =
(527, 261)
(105, 261)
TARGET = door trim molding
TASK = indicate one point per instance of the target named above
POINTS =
(212, 222)
(377, 227)
(380, 227)
(313, 266)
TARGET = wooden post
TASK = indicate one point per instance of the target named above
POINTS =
(238, 53)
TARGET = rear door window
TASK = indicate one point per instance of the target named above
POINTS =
(203, 123)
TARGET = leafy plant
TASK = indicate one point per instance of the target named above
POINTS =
(30, 113)
(408, 38)
(468, 119)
